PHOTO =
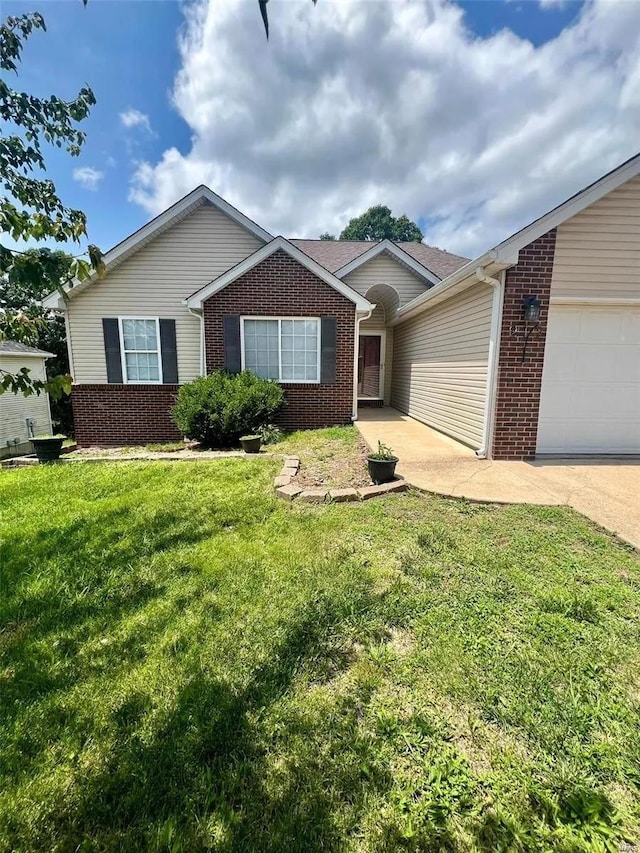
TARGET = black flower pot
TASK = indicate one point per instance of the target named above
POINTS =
(382, 470)
(48, 449)
(251, 443)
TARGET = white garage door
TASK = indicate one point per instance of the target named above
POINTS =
(590, 399)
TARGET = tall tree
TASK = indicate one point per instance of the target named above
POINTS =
(327, 236)
(378, 223)
(30, 209)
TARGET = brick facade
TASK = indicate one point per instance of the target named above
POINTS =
(110, 415)
(281, 287)
(519, 383)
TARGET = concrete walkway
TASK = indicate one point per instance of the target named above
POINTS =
(607, 491)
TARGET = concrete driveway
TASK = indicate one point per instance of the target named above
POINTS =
(605, 490)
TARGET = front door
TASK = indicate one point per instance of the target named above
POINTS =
(369, 366)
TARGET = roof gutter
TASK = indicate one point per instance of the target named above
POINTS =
(458, 281)
(440, 291)
(492, 363)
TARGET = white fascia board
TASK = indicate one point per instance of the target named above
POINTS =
(505, 254)
(455, 283)
(39, 354)
(394, 250)
(578, 202)
(177, 211)
(196, 299)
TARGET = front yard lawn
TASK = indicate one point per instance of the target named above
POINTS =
(188, 664)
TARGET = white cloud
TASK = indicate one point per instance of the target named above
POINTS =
(354, 103)
(134, 118)
(553, 4)
(88, 177)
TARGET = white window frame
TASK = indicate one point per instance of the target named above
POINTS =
(125, 377)
(280, 320)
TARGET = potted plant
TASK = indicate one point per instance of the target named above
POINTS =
(251, 443)
(47, 447)
(382, 464)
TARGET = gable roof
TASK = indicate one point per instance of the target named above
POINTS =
(278, 244)
(437, 260)
(386, 246)
(17, 348)
(170, 217)
(573, 205)
(506, 253)
(334, 254)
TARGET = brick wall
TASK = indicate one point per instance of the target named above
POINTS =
(123, 414)
(519, 383)
(280, 286)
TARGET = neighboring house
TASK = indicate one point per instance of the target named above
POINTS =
(531, 348)
(22, 417)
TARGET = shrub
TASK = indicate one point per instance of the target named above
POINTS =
(217, 409)
(270, 434)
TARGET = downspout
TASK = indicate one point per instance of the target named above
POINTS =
(67, 330)
(492, 364)
(365, 316)
(200, 315)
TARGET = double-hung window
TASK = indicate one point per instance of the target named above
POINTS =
(140, 349)
(283, 348)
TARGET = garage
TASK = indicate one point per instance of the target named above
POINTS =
(590, 400)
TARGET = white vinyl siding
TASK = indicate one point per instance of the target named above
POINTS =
(377, 320)
(153, 282)
(440, 363)
(383, 269)
(598, 250)
(16, 408)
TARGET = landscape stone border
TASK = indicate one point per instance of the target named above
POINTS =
(287, 489)
(147, 456)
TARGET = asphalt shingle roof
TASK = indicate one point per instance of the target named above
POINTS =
(334, 254)
(16, 348)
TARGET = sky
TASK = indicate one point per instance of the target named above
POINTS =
(471, 117)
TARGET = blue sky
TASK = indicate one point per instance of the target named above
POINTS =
(127, 52)
(248, 117)
(528, 18)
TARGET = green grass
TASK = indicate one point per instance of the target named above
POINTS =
(187, 664)
(319, 441)
(166, 447)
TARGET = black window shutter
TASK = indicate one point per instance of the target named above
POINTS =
(111, 334)
(328, 334)
(168, 352)
(231, 331)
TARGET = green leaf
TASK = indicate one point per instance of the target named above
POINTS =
(31, 211)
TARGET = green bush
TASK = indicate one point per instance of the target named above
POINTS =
(217, 409)
(270, 434)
